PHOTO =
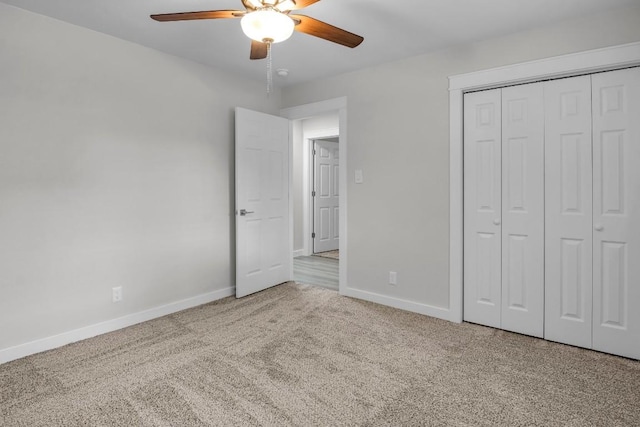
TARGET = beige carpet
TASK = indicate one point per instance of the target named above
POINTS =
(299, 355)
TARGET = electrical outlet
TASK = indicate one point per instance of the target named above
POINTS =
(393, 278)
(116, 294)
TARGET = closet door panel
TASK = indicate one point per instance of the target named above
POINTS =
(523, 209)
(482, 205)
(568, 211)
(616, 212)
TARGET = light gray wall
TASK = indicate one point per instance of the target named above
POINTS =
(116, 169)
(398, 135)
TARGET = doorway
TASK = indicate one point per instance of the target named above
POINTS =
(316, 199)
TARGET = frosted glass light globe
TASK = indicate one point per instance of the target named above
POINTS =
(267, 24)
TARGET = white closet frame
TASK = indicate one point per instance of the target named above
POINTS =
(592, 61)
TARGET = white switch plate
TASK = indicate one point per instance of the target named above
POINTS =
(359, 176)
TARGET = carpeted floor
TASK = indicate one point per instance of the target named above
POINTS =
(300, 355)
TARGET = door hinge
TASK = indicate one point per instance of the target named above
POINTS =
(313, 235)
(314, 152)
(313, 194)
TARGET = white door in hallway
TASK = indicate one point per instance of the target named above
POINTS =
(326, 206)
(482, 208)
(616, 212)
(263, 257)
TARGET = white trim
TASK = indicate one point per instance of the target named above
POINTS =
(290, 242)
(455, 205)
(315, 109)
(592, 61)
(429, 310)
(299, 252)
(55, 341)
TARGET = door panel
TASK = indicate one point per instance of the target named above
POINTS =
(262, 189)
(515, 178)
(614, 284)
(571, 301)
(616, 212)
(523, 209)
(612, 152)
(568, 211)
(482, 212)
(517, 282)
(326, 200)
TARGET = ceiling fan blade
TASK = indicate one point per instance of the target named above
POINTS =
(301, 4)
(258, 50)
(325, 31)
(189, 16)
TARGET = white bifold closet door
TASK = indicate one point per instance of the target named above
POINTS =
(523, 209)
(592, 236)
(552, 210)
(568, 218)
(483, 207)
(504, 209)
(616, 212)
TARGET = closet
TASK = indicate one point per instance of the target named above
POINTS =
(552, 210)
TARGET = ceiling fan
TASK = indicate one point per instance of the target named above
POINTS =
(271, 21)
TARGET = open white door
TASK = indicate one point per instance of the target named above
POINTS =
(263, 258)
(326, 197)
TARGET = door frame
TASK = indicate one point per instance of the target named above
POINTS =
(308, 200)
(308, 140)
(315, 109)
(588, 62)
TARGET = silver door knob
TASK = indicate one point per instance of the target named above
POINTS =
(598, 227)
(243, 212)
(496, 221)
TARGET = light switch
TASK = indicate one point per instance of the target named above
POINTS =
(359, 176)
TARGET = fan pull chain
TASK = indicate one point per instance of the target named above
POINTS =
(269, 69)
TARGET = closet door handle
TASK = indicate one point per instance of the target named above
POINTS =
(496, 221)
(598, 227)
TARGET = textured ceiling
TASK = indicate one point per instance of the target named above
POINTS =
(392, 29)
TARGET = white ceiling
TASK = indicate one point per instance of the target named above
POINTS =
(392, 29)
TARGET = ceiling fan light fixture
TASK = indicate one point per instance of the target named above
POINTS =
(267, 25)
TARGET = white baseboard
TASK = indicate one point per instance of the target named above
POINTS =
(299, 252)
(55, 341)
(429, 310)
